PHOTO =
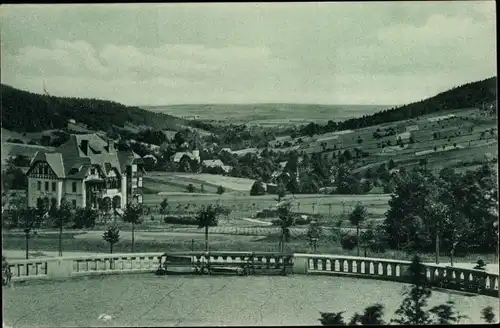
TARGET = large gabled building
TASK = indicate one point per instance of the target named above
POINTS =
(87, 170)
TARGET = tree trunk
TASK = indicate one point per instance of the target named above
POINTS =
(27, 236)
(133, 236)
(282, 242)
(437, 247)
(60, 239)
(452, 252)
(357, 238)
(206, 238)
(498, 250)
(110, 248)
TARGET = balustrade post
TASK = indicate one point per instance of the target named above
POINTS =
(375, 268)
(358, 266)
(349, 266)
(300, 265)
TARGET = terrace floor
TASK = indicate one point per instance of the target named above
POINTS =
(149, 300)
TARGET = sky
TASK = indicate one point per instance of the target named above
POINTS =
(323, 53)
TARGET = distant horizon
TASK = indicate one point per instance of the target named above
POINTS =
(148, 107)
(211, 104)
(265, 103)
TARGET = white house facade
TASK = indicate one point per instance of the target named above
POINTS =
(86, 171)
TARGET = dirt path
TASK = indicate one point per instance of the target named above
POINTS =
(257, 221)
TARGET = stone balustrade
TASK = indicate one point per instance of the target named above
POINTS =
(66, 267)
(467, 280)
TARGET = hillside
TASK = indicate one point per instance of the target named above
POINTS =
(24, 111)
(469, 95)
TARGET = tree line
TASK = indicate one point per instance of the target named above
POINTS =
(469, 95)
(24, 111)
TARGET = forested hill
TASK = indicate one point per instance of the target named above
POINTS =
(24, 111)
(465, 96)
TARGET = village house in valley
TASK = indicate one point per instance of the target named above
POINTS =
(86, 171)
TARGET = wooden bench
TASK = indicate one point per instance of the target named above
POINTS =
(242, 263)
(183, 261)
(229, 262)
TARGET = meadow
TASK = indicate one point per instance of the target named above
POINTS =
(157, 182)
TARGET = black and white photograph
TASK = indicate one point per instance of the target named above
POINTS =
(249, 164)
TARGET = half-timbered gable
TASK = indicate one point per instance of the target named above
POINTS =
(42, 170)
(86, 170)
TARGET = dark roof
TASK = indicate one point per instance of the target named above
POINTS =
(70, 161)
(127, 158)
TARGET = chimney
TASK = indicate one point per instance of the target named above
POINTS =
(110, 145)
(84, 146)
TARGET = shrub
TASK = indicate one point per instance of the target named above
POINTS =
(257, 189)
(187, 220)
(15, 140)
(297, 221)
(190, 188)
(220, 190)
(348, 242)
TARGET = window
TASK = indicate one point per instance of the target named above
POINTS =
(45, 170)
(46, 186)
(39, 185)
(92, 171)
(73, 187)
(74, 203)
(54, 186)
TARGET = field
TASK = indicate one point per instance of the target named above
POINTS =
(148, 300)
(239, 184)
(456, 142)
(270, 114)
(14, 149)
(7, 134)
(178, 182)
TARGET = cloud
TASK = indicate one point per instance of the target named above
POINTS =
(77, 68)
(180, 53)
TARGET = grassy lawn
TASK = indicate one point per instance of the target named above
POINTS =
(150, 242)
(248, 206)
